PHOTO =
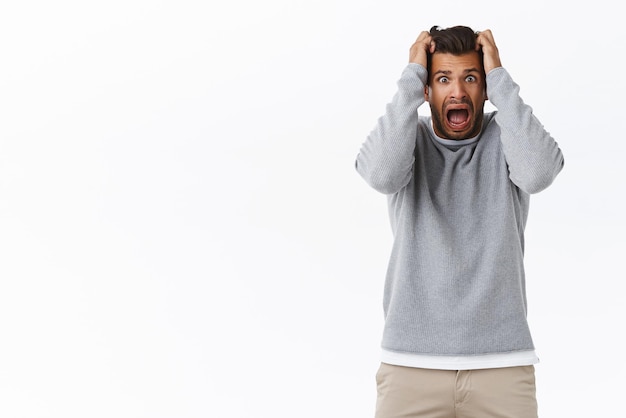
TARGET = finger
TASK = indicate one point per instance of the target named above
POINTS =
(484, 38)
(486, 35)
(425, 41)
(422, 36)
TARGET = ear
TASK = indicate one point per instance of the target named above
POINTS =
(426, 91)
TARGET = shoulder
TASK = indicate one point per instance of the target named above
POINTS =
(424, 130)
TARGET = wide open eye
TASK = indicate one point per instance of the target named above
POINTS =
(443, 79)
(470, 79)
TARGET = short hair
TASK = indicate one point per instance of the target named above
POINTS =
(456, 40)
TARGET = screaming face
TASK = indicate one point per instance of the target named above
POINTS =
(456, 94)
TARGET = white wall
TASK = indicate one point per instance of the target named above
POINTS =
(183, 233)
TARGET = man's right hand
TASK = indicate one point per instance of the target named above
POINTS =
(418, 53)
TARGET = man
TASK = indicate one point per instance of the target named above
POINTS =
(456, 341)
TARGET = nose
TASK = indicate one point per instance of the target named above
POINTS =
(458, 90)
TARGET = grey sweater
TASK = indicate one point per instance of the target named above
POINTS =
(455, 283)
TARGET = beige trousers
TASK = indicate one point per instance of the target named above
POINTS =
(410, 392)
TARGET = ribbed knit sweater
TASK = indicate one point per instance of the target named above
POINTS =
(455, 282)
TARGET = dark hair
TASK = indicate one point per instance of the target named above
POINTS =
(455, 40)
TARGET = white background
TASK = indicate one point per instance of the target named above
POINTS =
(183, 233)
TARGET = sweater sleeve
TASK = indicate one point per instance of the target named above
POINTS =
(533, 156)
(386, 157)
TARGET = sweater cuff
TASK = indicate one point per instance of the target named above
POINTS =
(416, 70)
(495, 80)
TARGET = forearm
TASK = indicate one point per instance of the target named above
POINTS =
(386, 158)
(533, 156)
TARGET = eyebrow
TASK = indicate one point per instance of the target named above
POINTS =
(448, 72)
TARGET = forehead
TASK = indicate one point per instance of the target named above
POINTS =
(455, 64)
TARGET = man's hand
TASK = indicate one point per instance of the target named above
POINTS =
(418, 53)
(491, 56)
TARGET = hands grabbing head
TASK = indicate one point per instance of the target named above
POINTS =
(456, 40)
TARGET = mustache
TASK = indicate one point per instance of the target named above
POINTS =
(464, 100)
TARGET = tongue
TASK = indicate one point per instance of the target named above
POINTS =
(457, 116)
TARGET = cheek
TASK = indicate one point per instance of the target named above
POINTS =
(436, 99)
(479, 99)
(438, 93)
(480, 93)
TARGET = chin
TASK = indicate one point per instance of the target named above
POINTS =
(458, 136)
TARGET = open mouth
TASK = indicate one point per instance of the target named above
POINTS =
(458, 118)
